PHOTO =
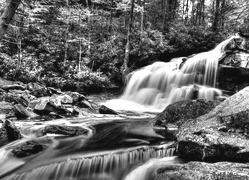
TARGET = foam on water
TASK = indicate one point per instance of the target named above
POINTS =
(147, 171)
(106, 165)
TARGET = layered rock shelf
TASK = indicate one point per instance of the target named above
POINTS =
(209, 131)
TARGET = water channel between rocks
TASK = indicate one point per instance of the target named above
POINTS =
(112, 148)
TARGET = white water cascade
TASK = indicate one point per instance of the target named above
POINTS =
(160, 84)
(148, 170)
(110, 150)
(105, 165)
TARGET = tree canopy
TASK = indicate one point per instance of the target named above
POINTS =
(81, 43)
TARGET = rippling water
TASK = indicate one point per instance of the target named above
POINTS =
(110, 151)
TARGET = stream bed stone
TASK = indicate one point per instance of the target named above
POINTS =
(204, 171)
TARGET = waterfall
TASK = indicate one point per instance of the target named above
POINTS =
(106, 165)
(147, 171)
(160, 84)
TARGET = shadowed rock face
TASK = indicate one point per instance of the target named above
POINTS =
(9, 133)
(105, 110)
(222, 134)
(234, 65)
(204, 171)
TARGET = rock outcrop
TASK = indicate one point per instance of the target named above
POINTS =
(220, 135)
(181, 111)
(9, 132)
(66, 130)
(234, 65)
(105, 110)
(204, 171)
(22, 113)
(27, 149)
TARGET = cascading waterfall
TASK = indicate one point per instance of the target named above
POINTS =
(205, 65)
(147, 171)
(160, 84)
(106, 165)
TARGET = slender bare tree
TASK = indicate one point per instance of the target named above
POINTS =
(127, 47)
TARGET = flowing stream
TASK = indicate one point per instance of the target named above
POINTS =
(118, 148)
(109, 151)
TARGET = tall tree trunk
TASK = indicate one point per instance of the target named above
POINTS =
(142, 18)
(111, 16)
(187, 10)
(222, 16)
(19, 46)
(203, 12)
(197, 15)
(175, 7)
(127, 47)
(80, 59)
(216, 16)
(67, 35)
(193, 12)
(164, 16)
(200, 13)
(213, 11)
(171, 7)
(7, 15)
(80, 53)
(183, 11)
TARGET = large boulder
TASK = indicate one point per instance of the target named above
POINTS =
(222, 134)
(181, 111)
(105, 110)
(77, 97)
(38, 90)
(204, 171)
(3, 137)
(66, 99)
(55, 100)
(12, 131)
(16, 98)
(84, 104)
(80, 100)
(28, 148)
(65, 130)
(22, 112)
(9, 132)
(44, 107)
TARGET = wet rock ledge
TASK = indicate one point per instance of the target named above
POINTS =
(220, 135)
(209, 131)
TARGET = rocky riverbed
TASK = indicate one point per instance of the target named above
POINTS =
(35, 103)
(212, 136)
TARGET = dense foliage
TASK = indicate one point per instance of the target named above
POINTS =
(80, 44)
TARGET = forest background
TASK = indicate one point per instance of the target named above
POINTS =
(89, 45)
